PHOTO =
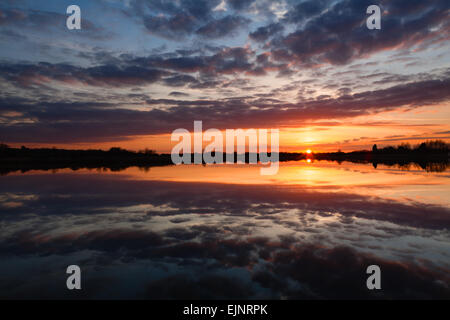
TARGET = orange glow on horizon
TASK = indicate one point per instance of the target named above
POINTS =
(309, 140)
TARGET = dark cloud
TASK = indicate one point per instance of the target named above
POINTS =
(136, 71)
(264, 33)
(64, 122)
(200, 9)
(180, 80)
(226, 26)
(240, 4)
(306, 10)
(178, 94)
(186, 18)
(315, 266)
(175, 27)
(25, 75)
(339, 34)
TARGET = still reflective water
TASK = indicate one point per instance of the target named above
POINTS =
(226, 232)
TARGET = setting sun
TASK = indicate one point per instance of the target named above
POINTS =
(308, 151)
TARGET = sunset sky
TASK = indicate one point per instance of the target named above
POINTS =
(137, 70)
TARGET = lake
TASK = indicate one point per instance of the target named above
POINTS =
(226, 232)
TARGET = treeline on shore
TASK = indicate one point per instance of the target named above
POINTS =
(432, 156)
(429, 149)
(115, 159)
(425, 154)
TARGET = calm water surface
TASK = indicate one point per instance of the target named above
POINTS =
(226, 232)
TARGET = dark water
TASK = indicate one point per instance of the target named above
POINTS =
(226, 232)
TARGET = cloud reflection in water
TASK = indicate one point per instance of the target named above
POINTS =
(164, 239)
